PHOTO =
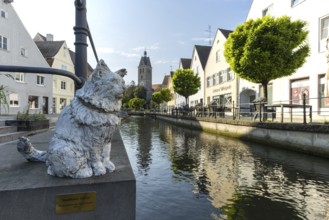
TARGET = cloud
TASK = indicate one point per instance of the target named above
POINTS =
(106, 50)
(154, 46)
(181, 42)
(165, 61)
(128, 55)
(203, 39)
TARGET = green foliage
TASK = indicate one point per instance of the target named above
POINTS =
(132, 91)
(136, 103)
(166, 94)
(3, 98)
(157, 98)
(267, 48)
(185, 82)
(140, 92)
(26, 116)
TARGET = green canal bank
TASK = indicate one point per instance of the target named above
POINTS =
(307, 138)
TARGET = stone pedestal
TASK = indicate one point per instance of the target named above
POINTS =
(27, 192)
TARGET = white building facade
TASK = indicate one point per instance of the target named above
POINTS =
(26, 90)
(311, 77)
(199, 59)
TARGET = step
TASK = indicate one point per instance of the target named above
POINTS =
(11, 136)
(7, 129)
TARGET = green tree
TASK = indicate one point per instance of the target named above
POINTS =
(267, 48)
(140, 92)
(157, 98)
(128, 95)
(186, 83)
(166, 94)
(3, 95)
(136, 103)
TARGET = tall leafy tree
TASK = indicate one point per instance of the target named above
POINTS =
(140, 92)
(166, 94)
(267, 48)
(186, 83)
(3, 94)
(136, 103)
(157, 98)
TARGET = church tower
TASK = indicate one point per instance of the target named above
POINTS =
(145, 75)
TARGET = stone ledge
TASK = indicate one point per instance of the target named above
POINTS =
(314, 128)
(27, 192)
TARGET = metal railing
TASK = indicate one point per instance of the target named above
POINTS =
(287, 111)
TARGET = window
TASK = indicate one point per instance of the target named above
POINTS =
(33, 102)
(230, 74)
(23, 52)
(13, 100)
(20, 77)
(295, 2)
(63, 85)
(208, 81)
(40, 80)
(298, 88)
(62, 103)
(218, 55)
(54, 105)
(3, 43)
(220, 76)
(324, 25)
(54, 83)
(268, 10)
(214, 79)
(323, 95)
(3, 14)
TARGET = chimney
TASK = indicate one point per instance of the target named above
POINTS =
(171, 73)
(50, 37)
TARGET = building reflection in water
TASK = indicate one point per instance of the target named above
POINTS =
(242, 180)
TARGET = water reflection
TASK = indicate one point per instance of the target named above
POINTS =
(185, 174)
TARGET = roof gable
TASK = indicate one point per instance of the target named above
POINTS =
(186, 63)
(49, 49)
(203, 53)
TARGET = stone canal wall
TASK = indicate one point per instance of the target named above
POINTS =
(310, 138)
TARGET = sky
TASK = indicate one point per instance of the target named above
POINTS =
(123, 29)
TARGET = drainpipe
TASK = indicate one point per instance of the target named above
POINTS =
(81, 33)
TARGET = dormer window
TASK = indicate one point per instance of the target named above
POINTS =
(295, 2)
(3, 14)
(268, 10)
(3, 43)
(23, 52)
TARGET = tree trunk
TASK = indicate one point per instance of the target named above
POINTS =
(265, 95)
(265, 90)
(186, 103)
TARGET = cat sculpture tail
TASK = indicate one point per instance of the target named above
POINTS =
(25, 147)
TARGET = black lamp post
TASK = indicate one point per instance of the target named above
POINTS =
(81, 33)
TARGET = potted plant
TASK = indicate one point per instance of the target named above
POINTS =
(29, 122)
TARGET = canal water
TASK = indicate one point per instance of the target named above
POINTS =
(187, 174)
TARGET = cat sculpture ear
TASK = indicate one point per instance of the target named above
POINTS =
(121, 72)
(100, 69)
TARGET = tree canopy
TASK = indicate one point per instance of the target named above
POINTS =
(132, 91)
(136, 103)
(157, 98)
(166, 94)
(267, 48)
(186, 83)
